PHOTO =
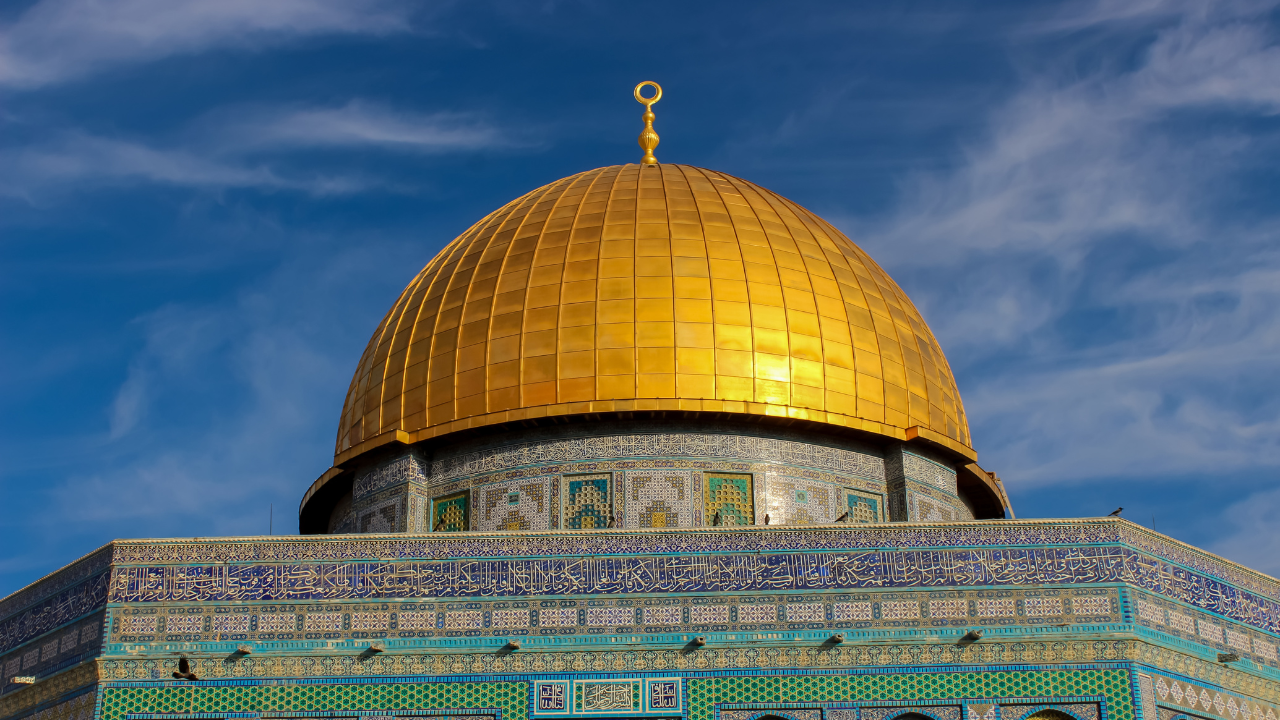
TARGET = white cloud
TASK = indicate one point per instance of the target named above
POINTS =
(249, 152)
(1082, 267)
(58, 40)
(357, 123)
(1253, 541)
(75, 158)
(241, 399)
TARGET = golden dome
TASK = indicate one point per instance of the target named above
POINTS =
(632, 288)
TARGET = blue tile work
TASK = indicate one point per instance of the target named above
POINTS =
(61, 606)
(863, 507)
(588, 501)
(729, 497)
(1093, 552)
(450, 513)
(922, 610)
(65, 647)
(725, 572)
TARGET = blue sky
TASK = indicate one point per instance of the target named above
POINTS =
(206, 208)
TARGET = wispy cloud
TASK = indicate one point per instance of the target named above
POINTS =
(58, 40)
(356, 123)
(251, 151)
(75, 158)
(1253, 540)
(1083, 259)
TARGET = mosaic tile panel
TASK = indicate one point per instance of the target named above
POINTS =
(794, 501)
(382, 517)
(59, 608)
(62, 648)
(558, 617)
(404, 469)
(610, 616)
(1043, 606)
(862, 507)
(684, 444)
(419, 517)
(1224, 636)
(785, 713)
(665, 615)
(607, 697)
(246, 580)
(449, 513)
(996, 608)
(591, 574)
(923, 470)
(847, 611)
(706, 614)
(509, 698)
(704, 694)
(519, 618)
(1049, 711)
(958, 609)
(730, 498)
(805, 612)
(1210, 702)
(923, 508)
(900, 610)
(79, 707)
(1150, 558)
(521, 505)
(588, 501)
(937, 712)
(749, 614)
(659, 499)
(417, 619)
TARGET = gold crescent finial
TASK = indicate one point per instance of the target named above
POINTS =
(648, 138)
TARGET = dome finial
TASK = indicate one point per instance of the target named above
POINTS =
(648, 138)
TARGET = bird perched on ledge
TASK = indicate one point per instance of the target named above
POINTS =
(184, 671)
(1116, 512)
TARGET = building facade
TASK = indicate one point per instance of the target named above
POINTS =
(651, 442)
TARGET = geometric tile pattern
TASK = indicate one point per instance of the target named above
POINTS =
(587, 502)
(1101, 552)
(730, 498)
(417, 619)
(79, 707)
(700, 445)
(862, 507)
(846, 658)
(920, 691)
(793, 501)
(520, 505)
(1113, 684)
(58, 649)
(785, 713)
(1202, 700)
(449, 513)
(936, 712)
(657, 499)
(510, 698)
(1204, 629)
(931, 473)
(923, 508)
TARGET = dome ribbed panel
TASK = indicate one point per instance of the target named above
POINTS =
(668, 287)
